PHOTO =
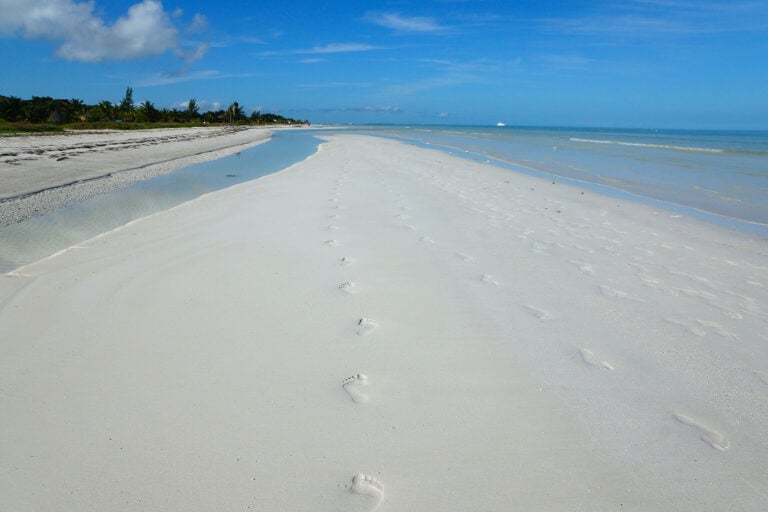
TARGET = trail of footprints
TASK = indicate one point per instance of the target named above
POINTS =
(364, 485)
(368, 486)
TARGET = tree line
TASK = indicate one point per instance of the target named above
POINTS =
(44, 110)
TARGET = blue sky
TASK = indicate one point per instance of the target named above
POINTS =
(631, 63)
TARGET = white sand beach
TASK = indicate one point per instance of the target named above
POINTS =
(385, 327)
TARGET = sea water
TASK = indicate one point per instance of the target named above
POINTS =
(719, 176)
(42, 236)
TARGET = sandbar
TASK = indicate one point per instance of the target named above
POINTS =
(387, 327)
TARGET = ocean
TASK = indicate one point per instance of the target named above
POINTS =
(718, 176)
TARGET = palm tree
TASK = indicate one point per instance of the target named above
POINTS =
(148, 112)
(105, 111)
(11, 108)
(126, 106)
(235, 113)
(38, 109)
(78, 109)
(193, 110)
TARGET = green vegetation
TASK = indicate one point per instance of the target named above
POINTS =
(45, 114)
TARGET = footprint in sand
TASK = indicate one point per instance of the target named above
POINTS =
(488, 279)
(697, 294)
(589, 357)
(368, 485)
(366, 326)
(703, 327)
(352, 385)
(463, 256)
(709, 435)
(689, 326)
(717, 328)
(584, 268)
(332, 243)
(617, 294)
(347, 287)
(332, 228)
(538, 313)
(427, 240)
(761, 375)
(346, 260)
(650, 281)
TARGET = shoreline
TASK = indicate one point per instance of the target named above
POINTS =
(741, 225)
(726, 185)
(387, 327)
(72, 168)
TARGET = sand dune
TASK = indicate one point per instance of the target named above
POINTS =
(384, 327)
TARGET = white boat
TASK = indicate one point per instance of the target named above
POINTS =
(500, 124)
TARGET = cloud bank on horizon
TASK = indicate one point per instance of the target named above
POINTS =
(635, 63)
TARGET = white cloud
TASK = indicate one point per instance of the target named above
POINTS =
(203, 105)
(146, 29)
(405, 89)
(341, 48)
(183, 75)
(386, 108)
(333, 85)
(251, 40)
(179, 76)
(326, 49)
(206, 105)
(405, 24)
(194, 53)
(368, 109)
(652, 18)
(565, 62)
(454, 73)
(199, 23)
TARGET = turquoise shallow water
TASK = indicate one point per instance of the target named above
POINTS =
(42, 236)
(721, 177)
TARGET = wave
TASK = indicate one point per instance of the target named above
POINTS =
(655, 146)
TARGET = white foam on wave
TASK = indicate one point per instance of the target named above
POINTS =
(644, 145)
